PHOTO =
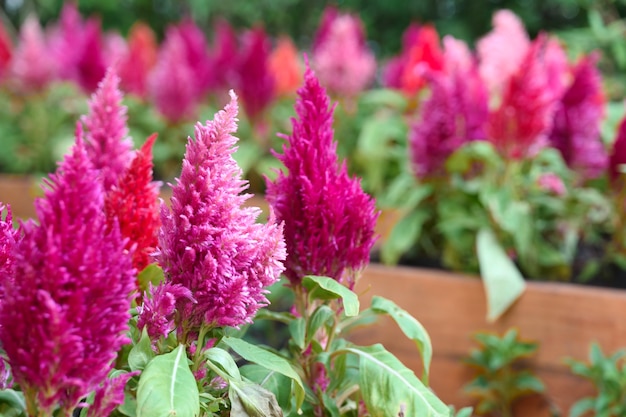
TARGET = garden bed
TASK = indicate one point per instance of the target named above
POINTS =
(563, 318)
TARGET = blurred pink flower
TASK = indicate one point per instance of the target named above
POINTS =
(518, 128)
(196, 55)
(109, 395)
(285, 66)
(225, 52)
(392, 72)
(329, 220)
(557, 67)
(210, 244)
(618, 157)
(552, 183)
(66, 41)
(91, 65)
(576, 130)
(6, 51)
(457, 55)
(157, 312)
(342, 60)
(33, 67)
(9, 237)
(502, 51)
(140, 58)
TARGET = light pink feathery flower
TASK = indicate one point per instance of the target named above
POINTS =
(457, 55)
(576, 130)
(329, 220)
(66, 41)
(170, 85)
(72, 298)
(157, 312)
(557, 67)
(109, 395)
(114, 48)
(518, 128)
(455, 114)
(107, 141)
(342, 60)
(502, 50)
(32, 66)
(210, 244)
(552, 183)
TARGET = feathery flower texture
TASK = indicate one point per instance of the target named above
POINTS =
(208, 243)
(329, 220)
(71, 270)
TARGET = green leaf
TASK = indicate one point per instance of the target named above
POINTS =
(251, 400)
(141, 353)
(325, 288)
(279, 316)
(151, 274)
(502, 281)
(411, 328)
(277, 383)
(14, 401)
(129, 406)
(582, 407)
(403, 236)
(390, 388)
(269, 360)
(226, 362)
(168, 388)
(319, 318)
(297, 330)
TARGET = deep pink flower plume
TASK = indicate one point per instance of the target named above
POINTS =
(618, 156)
(32, 66)
(329, 220)
(208, 242)
(197, 56)
(455, 114)
(225, 52)
(518, 128)
(576, 130)
(91, 65)
(107, 141)
(63, 321)
(9, 237)
(158, 308)
(393, 70)
(66, 42)
(109, 395)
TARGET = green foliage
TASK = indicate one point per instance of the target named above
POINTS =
(608, 376)
(500, 378)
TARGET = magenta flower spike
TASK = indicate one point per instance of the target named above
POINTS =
(329, 220)
(197, 55)
(9, 237)
(91, 65)
(255, 82)
(576, 130)
(342, 60)
(158, 309)
(455, 114)
(171, 83)
(32, 66)
(208, 243)
(107, 142)
(618, 158)
(63, 321)
(66, 42)
(502, 51)
(225, 52)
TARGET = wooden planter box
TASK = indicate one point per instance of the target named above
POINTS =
(563, 318)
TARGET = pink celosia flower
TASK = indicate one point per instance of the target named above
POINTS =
(225, 52)
(107, 143)
(454, 114)
(8, 239)
(63, 321)
(255, 81)
(208, 243)
(133, 204)
(66, 42)
(552, 183)
(139, 60)
(519, 126)
(456, 55)
(170, 83)
(197, 56)
(423, 59)
(576, 130)
(329, 15)
(618, 156)
(392, 73)
(32, 65)
(6, 50)
(157, 312)
(91, 65)
(114, 48)
(344, 63)
(502, 51)
(329, 220)
(109, 395)
(557, 67)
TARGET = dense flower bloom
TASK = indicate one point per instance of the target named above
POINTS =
(422, 59)
(392, 72)
(454, 114)
(618, 155)
(284, 64)
(344, 63)
(255, 82)
(66, 42)
(208, 243)
(109, 395)
(557, 67)
(502, 51)
(326, 22)
(519, 126)
(133, 204)
(169, 83)
(91, 65)
(576, 130)
(32, 66)
(197, 56)
(456, 55)
(329, 220)
(8, 240)
(225, 52)
(135, 66)
(157, 311)
(63, 321)
(107, 143)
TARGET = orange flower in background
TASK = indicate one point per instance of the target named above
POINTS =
(424, 56)
(285, 65)
(141, 57)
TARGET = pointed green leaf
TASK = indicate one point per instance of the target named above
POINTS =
(403, 236)
(225, 361)
(297, 329)
(141, 353)
(411, 328)
(273, 381)
(502, 281)
(582, 407)
(12, 403)
(325, 288)
(269, 360)
(390, 388)
(168, 388)
(251, 400)
(319, 318)
(151, 274)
